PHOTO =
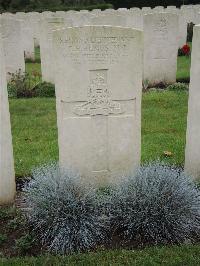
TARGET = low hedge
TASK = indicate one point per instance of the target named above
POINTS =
(60, 8)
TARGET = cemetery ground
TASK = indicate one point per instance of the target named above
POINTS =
(164, 114)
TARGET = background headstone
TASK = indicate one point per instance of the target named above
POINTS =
(112, 20)
(47, 26)
(13, 46)
(27, 36)
(160, 47)
(34, 20)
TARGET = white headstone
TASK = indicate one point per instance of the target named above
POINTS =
(81, 19)
(135, 18)
(47, 26)
(147, 10)
(60, 13)
(158, 9)
(160, 47)
(109, 19)
(34, 20)
(47, 14)
(7, 175)
(99, 109)
(171, 8)
(27, 36)
(13, 46)
(109, 11)
(192, 153)
(96, 11)
(182, 28)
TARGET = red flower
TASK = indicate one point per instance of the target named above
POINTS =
(186, 49)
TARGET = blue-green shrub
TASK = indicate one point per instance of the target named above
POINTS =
(158, 205)
(63, 212)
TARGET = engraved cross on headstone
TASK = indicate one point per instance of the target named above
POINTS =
(99, 107)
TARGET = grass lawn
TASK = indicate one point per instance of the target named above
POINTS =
(35, 131)
(30, 67)
(183, 68)
(183, 255)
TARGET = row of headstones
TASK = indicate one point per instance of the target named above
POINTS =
(163, 34)
(98, 98)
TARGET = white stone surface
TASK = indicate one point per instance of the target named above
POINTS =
(158, 9)
(160, 47)
(7, 175)
(109, 19)
(98, 92)
(96, 11)
(171, 8)
(81, 19)
(147, 10)
(182, 28)
(135, 18)
(192, 153)
(13, 46)
(47, 26)
(27, 36)
(34, 20)
(109, 11)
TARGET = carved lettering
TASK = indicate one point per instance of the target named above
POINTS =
(96, 49)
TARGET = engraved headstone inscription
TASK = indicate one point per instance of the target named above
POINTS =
(99, 109)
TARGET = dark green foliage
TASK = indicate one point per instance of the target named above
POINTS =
(52, 5)
(24, 244)
(180, 52)
(45, 89)
(190, 31)
(41, 5)
(3, 238)
(22, 84)
(178, 87)
(150, 3)
(26, 85)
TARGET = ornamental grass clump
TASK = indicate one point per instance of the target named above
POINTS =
(159, 205)
(63, 212)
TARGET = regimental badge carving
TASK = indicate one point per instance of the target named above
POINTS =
(99, 101)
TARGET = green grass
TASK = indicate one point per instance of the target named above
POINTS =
(35, 131)
(183, 255)
(164, 117)
(30, 67)
(183, 68)
(37, 53)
